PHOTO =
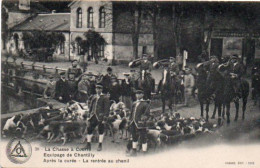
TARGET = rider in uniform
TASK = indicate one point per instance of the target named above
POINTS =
(173, 66)
(146, 64)
(139, 114)
(234, 66)
(99, 110)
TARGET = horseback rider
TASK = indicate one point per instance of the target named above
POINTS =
(235, 67)
(145, 64)
(173, 66)
(99, 110)
(75, 70)
(139, 114)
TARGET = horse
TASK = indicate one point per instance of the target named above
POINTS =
(230, 95)
(168, 88)
(146, 83)
(203, 94)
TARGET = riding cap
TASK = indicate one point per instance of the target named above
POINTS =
(235, 56)
(139, 92)
(99, 85)
(109, 69)
(126, 74)
(75, 60)
(51, 77)
(62, 73)
(172, 58)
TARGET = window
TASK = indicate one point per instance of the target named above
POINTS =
(79, 18)
(102, 17)
(62, 47)
(144, 50)
(101, 51)
(90, 17)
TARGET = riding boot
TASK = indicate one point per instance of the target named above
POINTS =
(100, 139)
(99, 147)
(88, 146)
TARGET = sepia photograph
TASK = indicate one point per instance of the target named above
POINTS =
(130, 83)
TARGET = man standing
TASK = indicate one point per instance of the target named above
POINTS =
(49, 91)
(107, 80)
(127, 88)
(75, 69)
(139, 115)
(188, 86)
(62, 89)
(99, 109)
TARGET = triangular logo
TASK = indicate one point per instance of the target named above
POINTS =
(18, 151)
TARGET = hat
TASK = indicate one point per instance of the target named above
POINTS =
(139, 92)
(99, 85)
(172, 58)
(51, 77)
(62, 73)
(132, 70)
(126, 74)
(75, 60)
(235, 56)
(90, 74)
(109, 69)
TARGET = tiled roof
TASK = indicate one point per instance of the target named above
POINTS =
(47, 22)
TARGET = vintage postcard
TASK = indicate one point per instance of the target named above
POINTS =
(130, 84)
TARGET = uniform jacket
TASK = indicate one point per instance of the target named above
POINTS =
(140, 109)
(127, 88)
(99, 106)
(62, 90)
(146, 65)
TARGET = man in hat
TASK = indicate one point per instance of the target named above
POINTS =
(75, 69)
(127, 90)
(188, 86)
(115, 90)
(86, 86)
(49, 91)
(106, 81)
(173, 66)
(146, 64)
(99, 110)
(62, 89)
(139, 115)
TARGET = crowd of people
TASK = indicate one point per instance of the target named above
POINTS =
(98, 92)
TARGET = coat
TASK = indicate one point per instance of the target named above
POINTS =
(99, 106)
(127, 89)
(146, 65)
(140, 113)
(106, 81)
(62, 90)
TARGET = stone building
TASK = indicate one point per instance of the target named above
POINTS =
(52, 22)
(112, 21)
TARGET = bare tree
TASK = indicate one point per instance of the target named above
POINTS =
(177, 14)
